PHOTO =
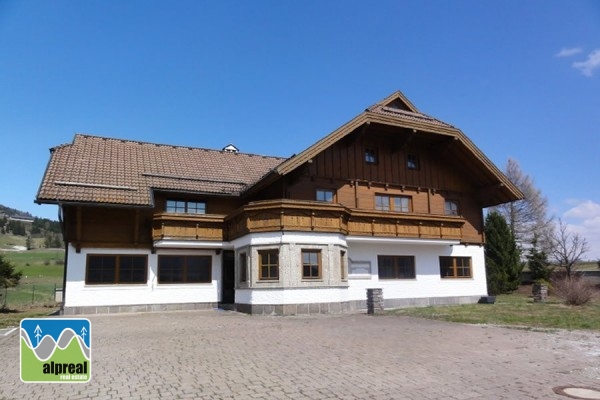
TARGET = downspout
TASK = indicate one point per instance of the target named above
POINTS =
(64, 235)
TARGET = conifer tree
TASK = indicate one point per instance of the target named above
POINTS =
(502, 258)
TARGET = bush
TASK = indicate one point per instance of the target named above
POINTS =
(575, 291)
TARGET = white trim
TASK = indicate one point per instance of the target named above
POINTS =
(431, 242)
(187, 244)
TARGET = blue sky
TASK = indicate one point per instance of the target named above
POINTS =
(520, 78)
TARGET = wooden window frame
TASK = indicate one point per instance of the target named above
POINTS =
(325, 192)
(403, 267)
(450, 268)
(391, 204)
(185, 207)
(185, 269)
(117, 279)
(412, 162)
(243, 267)
(343, 269)
(371, 156)
(310, 264)
(449, 210)
(269, 259)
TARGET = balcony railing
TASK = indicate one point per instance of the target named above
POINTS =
(307, 216)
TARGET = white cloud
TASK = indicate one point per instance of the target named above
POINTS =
(568, 52)
(584, 218)
(588, 66)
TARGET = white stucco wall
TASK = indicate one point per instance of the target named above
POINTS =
(78, 294)
(428, 282)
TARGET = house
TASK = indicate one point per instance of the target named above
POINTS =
(392, 199)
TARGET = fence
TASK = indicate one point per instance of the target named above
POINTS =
(30, 295)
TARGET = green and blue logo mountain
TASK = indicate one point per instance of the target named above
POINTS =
(56, 350)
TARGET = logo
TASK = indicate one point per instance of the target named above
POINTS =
(56, 350)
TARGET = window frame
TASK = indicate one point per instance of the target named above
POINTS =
(455, 268)
(271, 254)
(117, 269)
(412, 162)
(371, 156)
(325, 192)
(343, 269)
(185, 269)
(399, 268)
(243, 267)
(391, 203)
(310, 264)
(449, 210)
(185, 207)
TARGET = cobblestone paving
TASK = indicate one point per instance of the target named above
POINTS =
(226, 355)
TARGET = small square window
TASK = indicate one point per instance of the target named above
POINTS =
(268, 265)
(370, 156)
(325, 195)
(412, 161)
(311, 264)
(451, 207)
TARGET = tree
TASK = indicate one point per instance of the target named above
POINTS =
(8, 276)
(567, 248)
(502, 256)
(527, 217)
(537, 261)
(29, 242)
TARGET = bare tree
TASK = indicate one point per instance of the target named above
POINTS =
(567, 248)
(527, 218)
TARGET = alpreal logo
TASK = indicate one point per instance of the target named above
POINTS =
(56, 350)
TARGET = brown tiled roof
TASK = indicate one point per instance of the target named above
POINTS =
(406, 115)
(102, 170)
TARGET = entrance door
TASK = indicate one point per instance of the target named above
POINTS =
(228, 278)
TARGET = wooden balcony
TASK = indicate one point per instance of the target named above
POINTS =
(305, 216)
(188, 227)
(309, 216)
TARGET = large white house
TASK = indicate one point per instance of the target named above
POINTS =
(392, 199)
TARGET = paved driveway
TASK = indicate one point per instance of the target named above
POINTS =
(225, 355)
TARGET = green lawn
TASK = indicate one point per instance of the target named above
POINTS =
(42, 273)
(515, 310)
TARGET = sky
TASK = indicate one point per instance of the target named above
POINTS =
(520, 78)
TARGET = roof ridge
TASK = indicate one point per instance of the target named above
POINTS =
(141, 142)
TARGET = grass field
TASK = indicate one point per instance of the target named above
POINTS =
(517, 309)
(42, 274)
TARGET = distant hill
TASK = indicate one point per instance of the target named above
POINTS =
(33, 230)
(11, 212)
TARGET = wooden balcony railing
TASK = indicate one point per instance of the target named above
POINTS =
(188, 227)
(307, 216)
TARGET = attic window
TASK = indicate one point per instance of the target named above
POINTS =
(186, 207)
(412, 161)
(370, 156)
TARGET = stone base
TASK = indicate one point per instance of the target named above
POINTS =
(137, 308)
(348, 306)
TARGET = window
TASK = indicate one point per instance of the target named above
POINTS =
(412, 161)
(268, 265)
(343, 270)
(455, 267)
(396, 267)
(451, 207)
(184, 269)
(311, 264)
(186, 207)
(109, 269)
(370, 156)
(243, 268)
(393, 203)
(325, 195)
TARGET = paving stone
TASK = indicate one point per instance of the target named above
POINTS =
(226, 355)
